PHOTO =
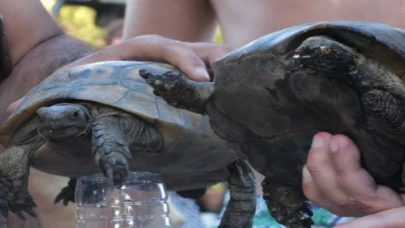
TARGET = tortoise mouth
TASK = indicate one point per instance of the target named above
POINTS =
(62, 132)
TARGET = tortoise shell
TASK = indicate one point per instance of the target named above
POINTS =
(255, 96)
(190, 144)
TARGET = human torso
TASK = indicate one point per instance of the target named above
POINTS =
(243, 21)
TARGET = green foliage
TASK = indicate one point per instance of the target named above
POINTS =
(48, 4)
(218, 36)
(79, 22)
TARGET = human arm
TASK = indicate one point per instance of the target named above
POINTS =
(184, 20)
(26, 27)
(192, 58)
(334, 179)
(37, 46)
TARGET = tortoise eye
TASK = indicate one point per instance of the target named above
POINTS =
(75, 114)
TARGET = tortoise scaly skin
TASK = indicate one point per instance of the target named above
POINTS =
(271, 96)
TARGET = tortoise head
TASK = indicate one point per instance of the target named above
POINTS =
(64, 121)
(323, 54)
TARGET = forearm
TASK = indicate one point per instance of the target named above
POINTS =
(26, 24)
(37, 46)
(36, 65)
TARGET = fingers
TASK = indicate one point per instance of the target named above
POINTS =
(346, 162)
(313, 193)
(13, 106)
(190, 58)
(320, 182)
(320, 168)
(394, 218)
(156, 48)
(209, 52)
(334, 179)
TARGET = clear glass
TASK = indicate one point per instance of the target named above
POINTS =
(141, 202)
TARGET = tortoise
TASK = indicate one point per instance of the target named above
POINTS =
(103, 117)
(271, 96)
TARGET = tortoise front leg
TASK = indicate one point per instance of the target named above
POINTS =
(110, 149)
(287, 204)
(113, 135)
(14, 172)
(242, 203)
(179, 91)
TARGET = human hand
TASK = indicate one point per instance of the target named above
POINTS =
(191, 58)
(393, 218)
(194, 59)
(13, 106)
(334, 179)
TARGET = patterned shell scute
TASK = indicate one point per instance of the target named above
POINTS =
(114, 83)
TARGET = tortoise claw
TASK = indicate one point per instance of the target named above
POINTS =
(30, 211)
(19, 214)
(67, 193)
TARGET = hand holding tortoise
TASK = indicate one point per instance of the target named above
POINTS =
(194, 59)
(334, 179)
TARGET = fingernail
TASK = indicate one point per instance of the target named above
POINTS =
(317, 141)
(306, 176)
(202, 73)
(333, 145)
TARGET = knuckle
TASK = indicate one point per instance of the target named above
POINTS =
(157, 39)
(339, 202)
(343, 140)
(313, 165)
(318, 160)
(349, 205)
(180, 48)
(185, 54)
(359, 205)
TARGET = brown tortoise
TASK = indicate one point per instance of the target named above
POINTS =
(104, 116)
(271, 96)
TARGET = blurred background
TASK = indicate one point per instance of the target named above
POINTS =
(89, 20)
(99, 24)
